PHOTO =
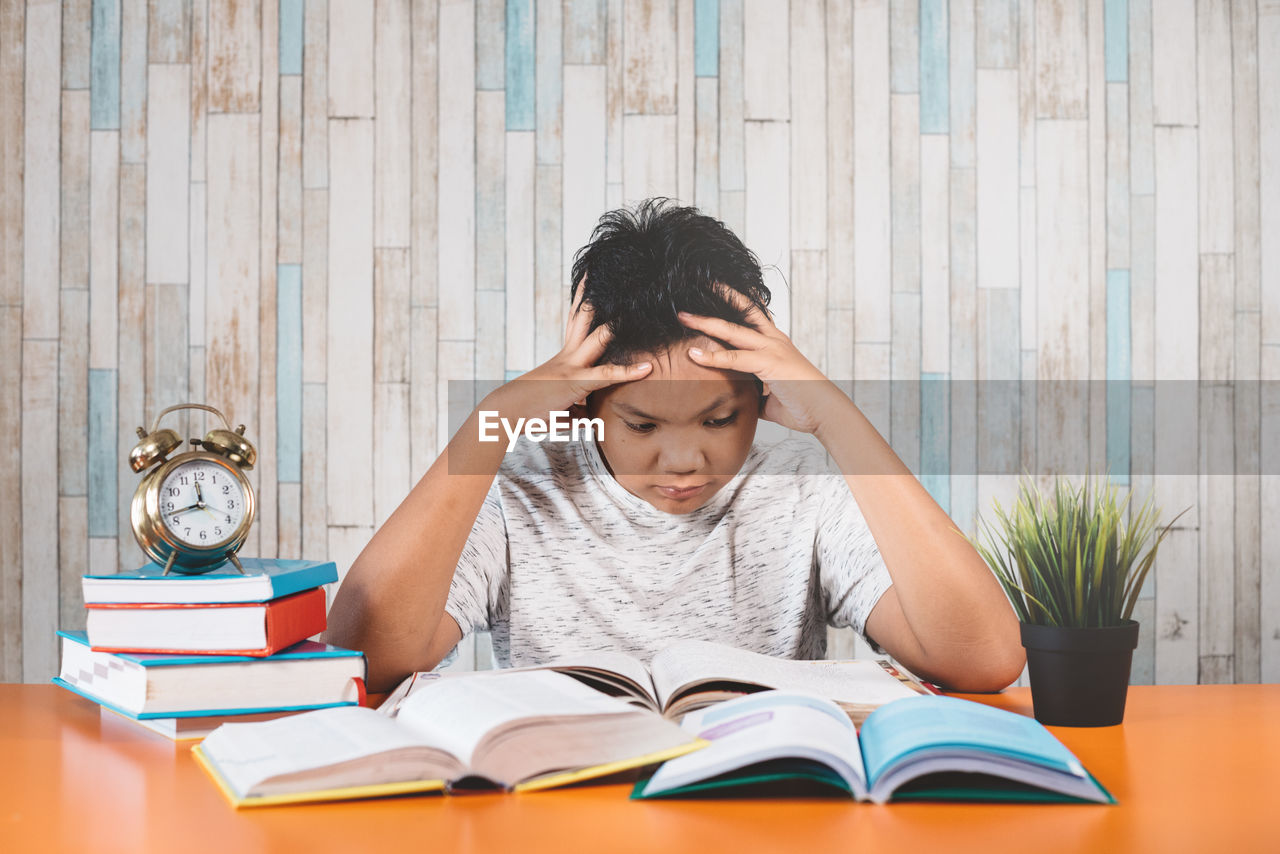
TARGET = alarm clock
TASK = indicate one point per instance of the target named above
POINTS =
(192, 510)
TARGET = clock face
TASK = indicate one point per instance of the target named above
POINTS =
(202, 504)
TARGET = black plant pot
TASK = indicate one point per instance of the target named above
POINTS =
(1079, 676)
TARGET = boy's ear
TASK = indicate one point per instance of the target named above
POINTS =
(763, 388)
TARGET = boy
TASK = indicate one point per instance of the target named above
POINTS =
(671, 524)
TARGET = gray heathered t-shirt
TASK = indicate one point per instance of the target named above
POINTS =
(563, 559)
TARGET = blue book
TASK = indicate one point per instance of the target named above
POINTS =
(917, 748)
(307, 675)
(265, 579)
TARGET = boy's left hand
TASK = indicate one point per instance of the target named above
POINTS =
(797, 395)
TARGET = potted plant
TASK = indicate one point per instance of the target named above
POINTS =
(1073, 569)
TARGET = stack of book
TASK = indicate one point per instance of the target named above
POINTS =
(182, 654)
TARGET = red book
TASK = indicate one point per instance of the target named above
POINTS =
(239, 628)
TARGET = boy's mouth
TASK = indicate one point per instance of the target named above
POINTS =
(679, 493)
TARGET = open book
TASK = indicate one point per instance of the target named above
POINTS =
(691, 675)
(912, 749)
(522, 730)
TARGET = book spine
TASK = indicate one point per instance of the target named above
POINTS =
(294, 618)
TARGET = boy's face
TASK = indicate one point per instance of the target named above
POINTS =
(677, 436)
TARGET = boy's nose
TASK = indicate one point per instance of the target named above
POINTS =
(681, 458)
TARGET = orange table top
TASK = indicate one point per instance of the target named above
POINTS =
(1194, 768)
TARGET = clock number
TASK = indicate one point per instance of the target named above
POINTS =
(182, 479)
(226, 490)
(173, 492)
(188, 532)
(168, 505)
(228, 519)
(199, 475)
(204, 535)
(214, 479)
(217, 532)
(231, 504)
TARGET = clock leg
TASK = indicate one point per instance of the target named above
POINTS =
(168, 564)
(235, 561)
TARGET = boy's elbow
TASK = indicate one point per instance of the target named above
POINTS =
(993, 672)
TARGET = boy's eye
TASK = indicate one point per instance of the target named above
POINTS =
(723, 422)
(639, 428)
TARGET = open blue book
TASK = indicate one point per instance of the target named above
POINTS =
(911, 749)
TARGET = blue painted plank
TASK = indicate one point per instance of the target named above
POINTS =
(103, 456)
(706, 38)
(935, 78)
(291, 36)
(511, 375)
(1116, 37)
(1119, 374)
(935, 439)
(289, 373)
(520, 67)
(104, 86)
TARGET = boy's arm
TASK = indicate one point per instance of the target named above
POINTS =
(391, 603)
(945, 617)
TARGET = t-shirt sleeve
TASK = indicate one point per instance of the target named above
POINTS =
(853, 573)
(482, 568)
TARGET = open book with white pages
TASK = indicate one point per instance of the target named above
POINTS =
(919, 748)
(690, 675)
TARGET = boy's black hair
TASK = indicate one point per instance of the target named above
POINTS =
(644, 264)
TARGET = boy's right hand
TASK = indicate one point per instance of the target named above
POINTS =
(568, 377)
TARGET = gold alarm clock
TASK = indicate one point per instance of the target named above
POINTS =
(192, 511)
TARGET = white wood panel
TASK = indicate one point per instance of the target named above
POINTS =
(809, 316)
(685, 101)
(345, 544)
(1097, 61)
(1027, 301)
(1028, 108)
(1248, 507)
(872, 211)
(426, 153)
(1173, 71)
(614, 81)
(424, 446)
(960, 73)
(765, 43)
(809, 189)
(706, 166)
(649, 45)
(315, 94)
(1177, 612)
(996, 30)
(548, 27)
(1217, 320)
(391, 336)
(905, 192)
(1215, 141)
(550, 289)
(904, 44)
(767, 205)
(73, 557)
(1062, 275)
(583, 191)
(351, 58)
(997, 183)
(11, 561)
(905, 373)
(1177, 297)
(732, 157)
(935, 255)
(1269, 588)
(519, 250)
(491, 180)
(1061, 48)
(1216, 558)
(315, 284)
(289, 544)
(839, 156)
(871, 371)
(1142, 175)
(457, 176)
(104, 216)
(133, 81)
(40, 503)
(393, 143)
(168, 160)
(289, 198)
(74, 171)
(454, 401)
(199, 86)
(264, 538)
(315, 497)
(1245, 84)
(349, 370)
(491, 319)
(648, 160)
(1269, 169)
(1142, 287)
(73, 393)
(41, 204)
(235, 58)
(390, 449)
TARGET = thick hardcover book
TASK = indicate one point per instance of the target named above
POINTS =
(264, 579)
(918, 748)
(243, 628)
(306, 676)
(507, 730)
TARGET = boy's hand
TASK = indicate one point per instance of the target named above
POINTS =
(797, 394)
(568, 377)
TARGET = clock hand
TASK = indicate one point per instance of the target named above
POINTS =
(185, 509)
(199, 495)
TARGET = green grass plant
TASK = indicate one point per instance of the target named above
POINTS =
(1070, 559)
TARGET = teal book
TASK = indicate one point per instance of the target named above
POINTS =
(916, 748)
(263, 579)
(307, 675)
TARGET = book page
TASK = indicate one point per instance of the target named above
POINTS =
(687, 663)
(762, 727)
(248, 753)
(456, 713)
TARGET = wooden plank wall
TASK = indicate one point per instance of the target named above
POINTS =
(328, 217)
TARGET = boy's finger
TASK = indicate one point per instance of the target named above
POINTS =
(579, 323)
(743, 361)
(743, 303)
(742, 337)
(593, 345)
(603, 376)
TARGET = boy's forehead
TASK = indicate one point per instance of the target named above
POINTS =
(679, 385)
